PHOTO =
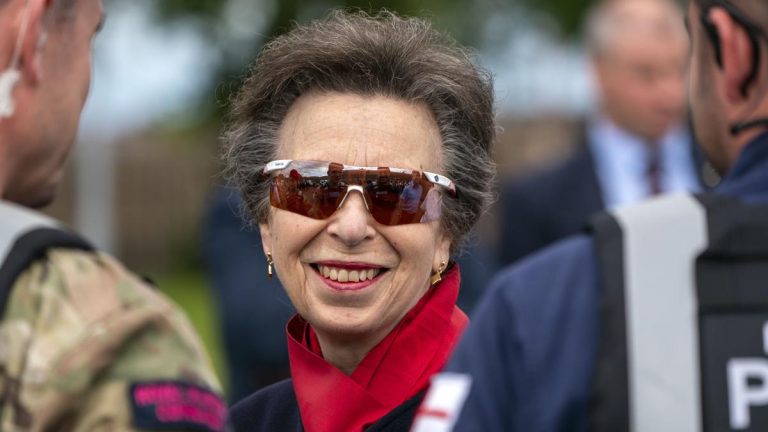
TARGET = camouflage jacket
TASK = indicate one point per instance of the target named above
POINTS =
(85, 345)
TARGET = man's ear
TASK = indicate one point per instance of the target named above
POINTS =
(736, 51)
(34, 41)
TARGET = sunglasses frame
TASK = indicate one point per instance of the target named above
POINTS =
(436, 179)
(440, 180)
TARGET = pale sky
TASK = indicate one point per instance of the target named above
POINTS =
(143, 72)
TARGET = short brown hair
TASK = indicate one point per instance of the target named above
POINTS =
(385, 54)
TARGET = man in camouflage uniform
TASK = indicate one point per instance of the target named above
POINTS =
(84, 344)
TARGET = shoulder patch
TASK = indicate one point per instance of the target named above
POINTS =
(174, 405)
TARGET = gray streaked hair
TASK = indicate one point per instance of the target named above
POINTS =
(387, 55)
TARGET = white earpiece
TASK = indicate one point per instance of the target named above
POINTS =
(42, 40)
(8, 81)
(11, 76)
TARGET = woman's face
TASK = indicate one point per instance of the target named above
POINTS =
(362, 131)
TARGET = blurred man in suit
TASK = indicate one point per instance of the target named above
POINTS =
(637, 145)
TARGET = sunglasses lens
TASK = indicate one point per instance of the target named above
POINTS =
(307, 196)
(393, 198)
(398, 198)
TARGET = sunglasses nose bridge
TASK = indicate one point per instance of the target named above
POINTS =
(357, 188)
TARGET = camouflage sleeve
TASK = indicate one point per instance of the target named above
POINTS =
(87, 346)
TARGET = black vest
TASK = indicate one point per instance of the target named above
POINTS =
(25, 237)
(684, 317)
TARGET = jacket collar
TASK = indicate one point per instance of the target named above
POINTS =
(748, 179)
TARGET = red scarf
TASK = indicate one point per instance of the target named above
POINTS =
(395, 370)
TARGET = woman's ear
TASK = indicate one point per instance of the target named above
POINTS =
(266, 237)
(442, 252)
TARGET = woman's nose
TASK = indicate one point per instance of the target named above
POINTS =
(351, 223)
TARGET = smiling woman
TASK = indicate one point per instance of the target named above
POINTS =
(361, 147)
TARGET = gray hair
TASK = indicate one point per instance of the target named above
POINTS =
(385, 54)
(610, 19)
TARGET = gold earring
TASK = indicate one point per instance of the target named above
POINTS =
(269, 266)
(438, 275)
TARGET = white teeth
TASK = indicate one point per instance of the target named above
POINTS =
(344, 275)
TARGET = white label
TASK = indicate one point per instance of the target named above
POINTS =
(741, 395)
(443, 403)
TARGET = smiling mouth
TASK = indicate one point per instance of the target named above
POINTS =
(338, 274)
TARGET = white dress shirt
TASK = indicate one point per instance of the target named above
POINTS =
(621, 162)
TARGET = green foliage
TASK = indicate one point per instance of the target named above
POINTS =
(460, 16)
(456, 15)
(189, 289)
(465, 20)
(171, 9)
(567, 13)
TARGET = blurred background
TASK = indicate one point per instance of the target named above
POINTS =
(140, 182)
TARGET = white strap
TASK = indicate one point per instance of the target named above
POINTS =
(15, 221)
(662, 239)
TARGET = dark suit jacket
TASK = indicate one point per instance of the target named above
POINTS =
(553, 204)
(548, 206)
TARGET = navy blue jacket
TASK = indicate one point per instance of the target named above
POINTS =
(532, 343)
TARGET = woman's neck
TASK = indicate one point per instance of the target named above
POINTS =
(347, 352)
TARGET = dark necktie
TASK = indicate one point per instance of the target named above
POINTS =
(654, 170)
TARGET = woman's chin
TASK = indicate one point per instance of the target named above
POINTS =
(352, 327)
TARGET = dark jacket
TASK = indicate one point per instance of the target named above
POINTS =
(555, 203)
(532, 347)
(275, 409)
(548, 206)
